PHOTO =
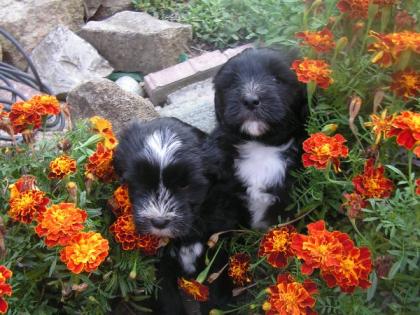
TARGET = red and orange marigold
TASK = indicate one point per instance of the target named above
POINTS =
(380, 125)
(24, 116)
(5, 288)
(239, 269)
(388, 47)
(275, 246)
(321, 41)
(352, 271)
(320, 248)
(313, 70)
(45, 104)
(356, 9)
(418, 186)
(61, 167)
(125, 233)
(120, 201)
(60, 223)
(372, 183)
(100, 164)
(406, 83)
(320, 150)
(86, 251)
(26, 201)
(406, 126)
(289, 297)
(195, 289)
(104, 128)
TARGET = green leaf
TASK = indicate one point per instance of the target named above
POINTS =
(394, 269)
(371, 291)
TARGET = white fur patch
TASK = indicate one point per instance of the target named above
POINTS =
(161, 146)
(188, 256)
(260, 167)
(161, 204)
(254, 128)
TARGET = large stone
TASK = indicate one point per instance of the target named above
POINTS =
(136, 41)
(64, 60)
(105, 98)
(193, 104)
(29, 21)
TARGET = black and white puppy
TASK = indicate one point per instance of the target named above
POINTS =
(260, 109)
(162, 162)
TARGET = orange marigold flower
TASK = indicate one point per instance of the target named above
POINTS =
(120, 201)
(322, 41)
(23, 184)
(406, 83)
(238, 269)
(60, 223)
(100, 164)
(86, 251)
(406, 126)
(418, 186)
(104, 128)
(24, 116)
(321, 149)
(275, 245)
(27, 205)
(312, 70)
(5, 288)
(372, 183)
(61, 167)
(290, 297)
(320, 248)
(353, 205)
(380, 125)
(356, 9)
(125, 233)
(195, 289)
(388, 47)
(5, 274)
(45, 104)
(352, 271)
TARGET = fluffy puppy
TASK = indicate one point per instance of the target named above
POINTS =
(260, 109)
(162, 163)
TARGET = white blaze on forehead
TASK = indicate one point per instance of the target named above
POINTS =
(254, 128)
(188, 256)
(161, 146)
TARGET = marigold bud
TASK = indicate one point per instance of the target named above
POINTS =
(216, 312)
(72, 191)
(329, 129)
(341, 43)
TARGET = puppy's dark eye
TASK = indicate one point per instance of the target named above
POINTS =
(183, 186)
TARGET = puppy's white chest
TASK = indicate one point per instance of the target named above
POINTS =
(260, 167)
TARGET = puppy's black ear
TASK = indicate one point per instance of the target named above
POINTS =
(119, 166)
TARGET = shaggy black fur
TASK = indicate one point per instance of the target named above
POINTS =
(257, 86)
(198, 208)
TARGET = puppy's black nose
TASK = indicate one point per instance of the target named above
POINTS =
(251, 101)
(159, 223)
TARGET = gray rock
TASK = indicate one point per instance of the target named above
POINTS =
(130, 85)
(193, 104)
(30, 20)
(64, 60)
(104, 98)
(136, 41)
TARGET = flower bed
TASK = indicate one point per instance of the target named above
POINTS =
(68, 233)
